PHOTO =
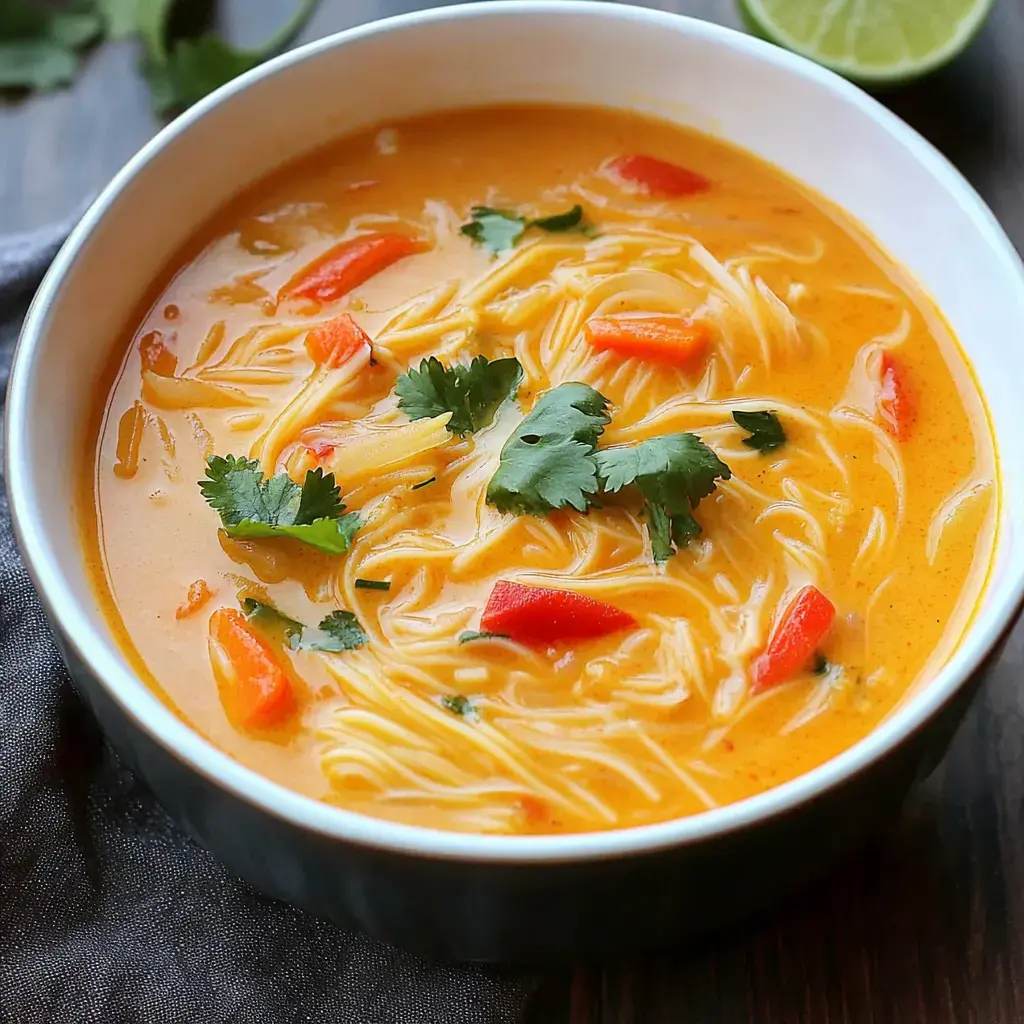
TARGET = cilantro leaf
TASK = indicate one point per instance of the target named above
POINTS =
(320, 498)
(180, 75)
(499, 230)
(669, 533)
(233, 489)
(673, 473)
(765, 430)
(459, 705)
(362, 584)
(75, 29)
(38, 47)
(674, 470)
(251, 507)
(684, 529)
(471, 634)
(22, 19)
(559, 221)
(470, 393)
(236, 489)
(339, 631)
(659, 529)
(546, 464)
(195, 68)
(36, 64)
(332, 536)
(122, 16)
(148, 19)
(271, 618)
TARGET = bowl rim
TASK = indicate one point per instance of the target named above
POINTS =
(145, 710)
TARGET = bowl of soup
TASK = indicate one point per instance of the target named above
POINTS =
(550, 501)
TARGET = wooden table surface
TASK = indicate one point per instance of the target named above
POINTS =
(927, 925)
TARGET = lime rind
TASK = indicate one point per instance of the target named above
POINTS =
(765, 25)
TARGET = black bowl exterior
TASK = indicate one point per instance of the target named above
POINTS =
(530, 913)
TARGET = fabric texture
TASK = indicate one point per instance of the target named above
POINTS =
(108, 912)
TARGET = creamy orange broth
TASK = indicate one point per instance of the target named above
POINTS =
(635, 727)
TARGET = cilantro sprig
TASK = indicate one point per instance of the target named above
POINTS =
(339, 631)
(41, 45)
(471, 393)
(673, 473)
(252, 507)
(499, 230)
(552, 461)
(469, 635)
(185, 70)
(546, 464)
(764, 428)
(459, 705)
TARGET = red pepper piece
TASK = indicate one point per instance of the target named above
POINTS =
(793, 642)
(658, 177)
(895, 406)
(543, 615)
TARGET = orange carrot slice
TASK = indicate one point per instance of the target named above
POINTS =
(332, 343)
(198, 594)
(254, 689)
(670, 339)
(348, 265)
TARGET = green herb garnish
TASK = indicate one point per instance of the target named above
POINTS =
(559, 221)
(373, 584)
(40, 46)
(821, 665)
(765, 430)
(499, 230)
(470, 393)
(271, 618)
(424, 483)
(459, 705)
(339, 631)
(552, 461)
(472, 634)
(182, 71)
(673, 473)
(251, 507)
(546, 464)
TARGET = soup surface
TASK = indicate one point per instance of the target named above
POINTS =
(696, 487)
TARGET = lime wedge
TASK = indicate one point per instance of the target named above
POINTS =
(877, 42)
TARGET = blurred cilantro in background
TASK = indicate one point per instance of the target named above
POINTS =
(41, 46)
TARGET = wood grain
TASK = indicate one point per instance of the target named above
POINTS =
(927, 925)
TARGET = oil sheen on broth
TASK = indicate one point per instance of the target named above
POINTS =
(643, 670)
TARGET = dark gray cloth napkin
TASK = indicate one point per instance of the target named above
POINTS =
(109, 913)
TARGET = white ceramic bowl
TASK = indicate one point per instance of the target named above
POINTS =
(484, 896)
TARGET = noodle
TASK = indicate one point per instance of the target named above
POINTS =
(427, 721)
